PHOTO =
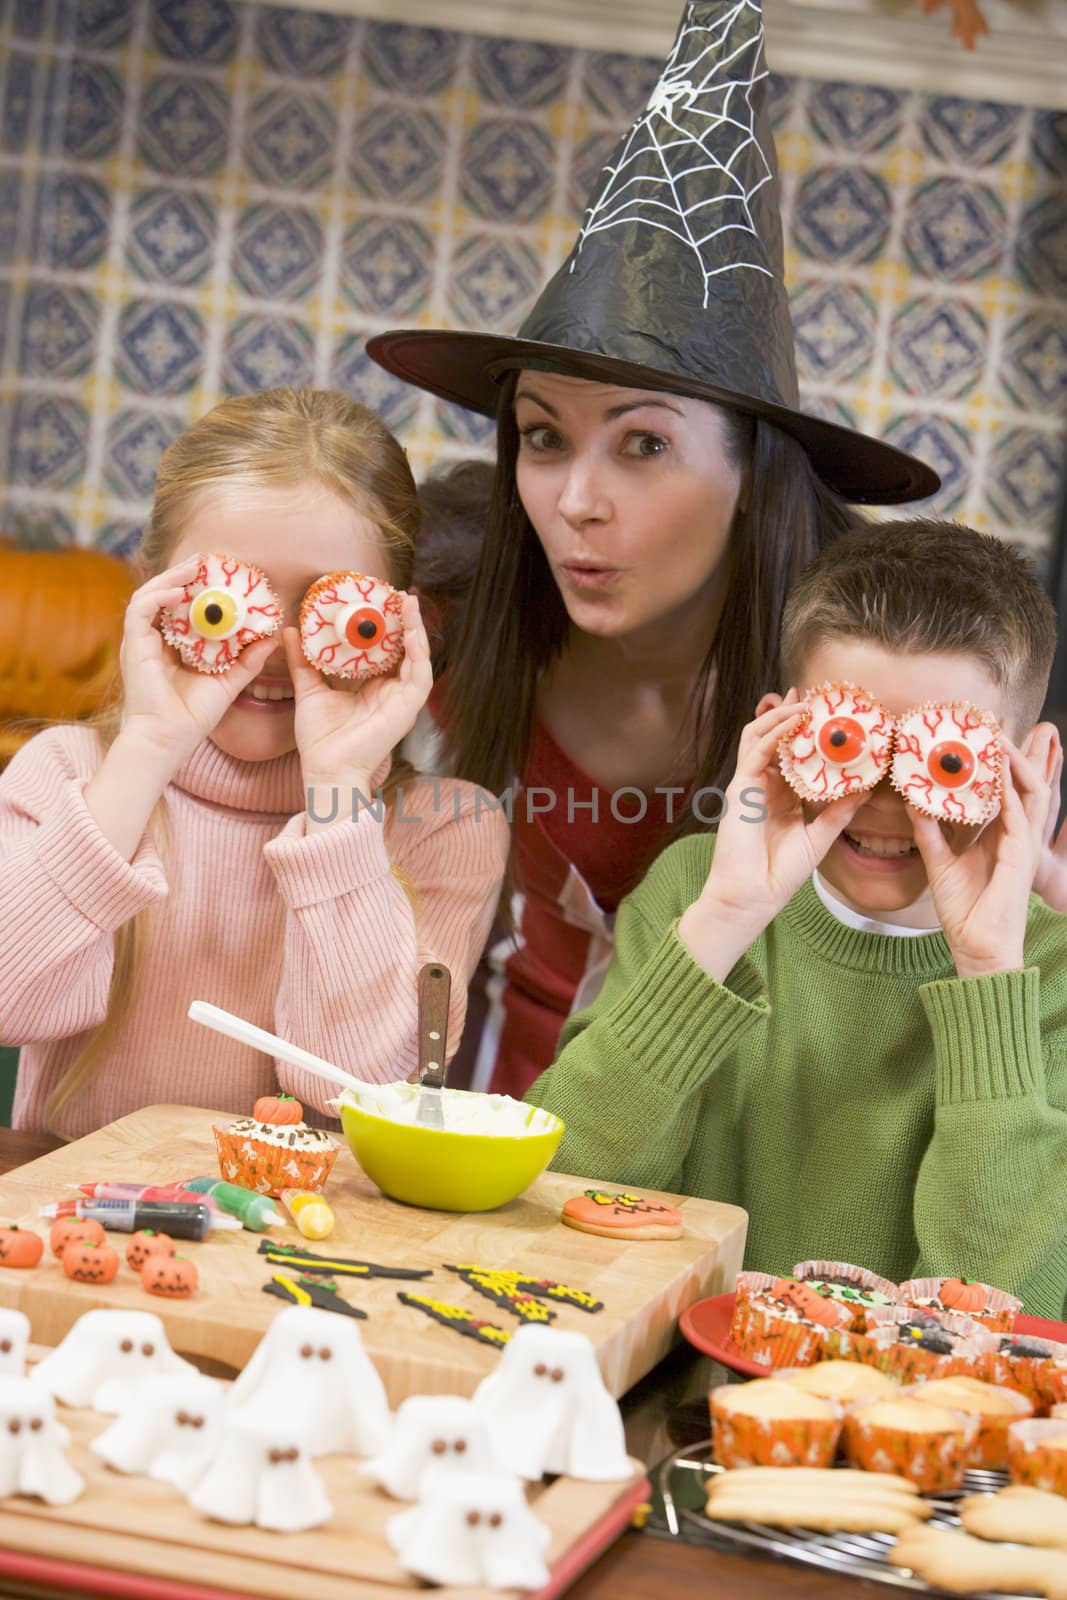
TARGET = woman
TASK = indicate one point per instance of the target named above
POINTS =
(656, 494)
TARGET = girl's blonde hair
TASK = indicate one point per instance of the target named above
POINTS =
(280, 438)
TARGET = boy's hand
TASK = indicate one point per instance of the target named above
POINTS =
(981, 895)
(760, 863)
(1050, 881)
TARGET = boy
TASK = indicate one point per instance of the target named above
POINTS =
(870, 1057)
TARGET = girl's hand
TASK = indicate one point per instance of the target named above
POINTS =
(981, 895)
(760, 862)
(345, 733)
(167, 706)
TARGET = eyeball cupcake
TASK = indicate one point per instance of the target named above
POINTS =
(227, 606)
(842, 746)
(350, 626)
(947, 763)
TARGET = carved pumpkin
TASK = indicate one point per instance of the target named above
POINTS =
(174, 1276)
(20, 1247)
(146, 1242)
(88, 1262)
(961, 1295)
(68, 1230)
(281, 1109)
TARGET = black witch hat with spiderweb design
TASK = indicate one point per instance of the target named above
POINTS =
(676, 280)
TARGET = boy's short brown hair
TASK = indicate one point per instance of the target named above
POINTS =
(926, 586)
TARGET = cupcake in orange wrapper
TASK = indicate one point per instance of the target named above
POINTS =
(851, 1286)
(768, 1423)
(1031, 1365)
(786, 1325)
(916, 1345)
(843, 1381)
(993, 1308)
(994, 1409)
(1037, 1454)
(274, 1149)
(931, 1445)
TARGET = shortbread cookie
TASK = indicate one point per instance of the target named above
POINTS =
(621, 1216)
(1019, 1514)
(961, 1563)
(847, 1501)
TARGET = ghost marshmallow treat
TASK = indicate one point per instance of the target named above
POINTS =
(14, 1337)
(32, 1443)
(841, 747)
(105, 1359)
(947, 763)
(431, 1432)
(171, 1434)
(547, 1409)
(227, 606)
(350, 626)
(472, 1528)
(261, 1474)
(313, 1364)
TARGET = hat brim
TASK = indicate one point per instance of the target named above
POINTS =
(467, 369)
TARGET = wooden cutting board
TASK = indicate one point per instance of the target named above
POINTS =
(133, 1525)
(644, 1285)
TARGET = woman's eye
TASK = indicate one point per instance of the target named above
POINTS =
(540, 437)
(645, 444)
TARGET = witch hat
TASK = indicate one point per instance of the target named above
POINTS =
(676, 280)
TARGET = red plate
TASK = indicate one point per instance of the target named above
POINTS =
(707, 1326)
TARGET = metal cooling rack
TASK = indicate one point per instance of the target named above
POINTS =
(681, 1486)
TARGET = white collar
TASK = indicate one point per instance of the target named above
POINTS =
(858, 919)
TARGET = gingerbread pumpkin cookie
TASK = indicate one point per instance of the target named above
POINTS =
(622, 1216)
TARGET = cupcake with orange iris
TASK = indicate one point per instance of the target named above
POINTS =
(274, 1149)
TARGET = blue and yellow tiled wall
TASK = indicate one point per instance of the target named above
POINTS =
(205, 196)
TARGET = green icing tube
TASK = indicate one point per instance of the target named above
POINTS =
(255, 1211)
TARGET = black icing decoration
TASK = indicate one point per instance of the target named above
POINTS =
(927, 1335)
(458, 1319)
(291, 1255)
(311, 1291)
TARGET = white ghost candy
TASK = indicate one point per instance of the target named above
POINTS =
(313, 1364)
(106, 1357)
(548, 1411)
(31, 1444)
(14, 1337)
(261, 1473)
(170, 1434)
(431, 1432)
(472, 1528)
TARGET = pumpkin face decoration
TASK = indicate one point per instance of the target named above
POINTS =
(959, 1295)
(170, 1275)
(88, 1262)
(69, 1230)
(279, 1109)
(20, 1247)
(350, 626)
(145, 1243)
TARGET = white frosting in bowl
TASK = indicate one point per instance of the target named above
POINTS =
(496, 1116)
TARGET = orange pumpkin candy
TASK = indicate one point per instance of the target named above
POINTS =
(962, 1294)
(173, 1276)
(88, 1262)
(69, 1230)
(281, 1109)
(144, 1243)
(20, 1247)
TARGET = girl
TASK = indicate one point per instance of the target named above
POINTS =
(200, 843)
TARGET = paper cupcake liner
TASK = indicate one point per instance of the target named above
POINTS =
(910, 1363)
(1030, 1459)
(990, 1448)
(1034, 1376)
(740, 1440)
(765, 1333)
(932, 1461)
(750, 1283)
(270, 1168)
(845, 1274)
(998, 1312)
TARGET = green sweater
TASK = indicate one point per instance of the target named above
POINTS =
(860, 1101)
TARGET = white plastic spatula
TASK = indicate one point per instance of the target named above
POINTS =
(435, 987)
(259, 1039)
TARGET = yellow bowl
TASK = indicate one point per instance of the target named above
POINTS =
(445, 1171)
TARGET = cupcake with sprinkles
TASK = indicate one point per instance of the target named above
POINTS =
(993, 1308)
(854, 1287)
(783, 1322)
(274, 1149)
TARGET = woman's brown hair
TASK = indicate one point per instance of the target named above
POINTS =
(280, 438)
(515, 621)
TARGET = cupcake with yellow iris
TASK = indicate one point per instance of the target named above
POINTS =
(274, 1149)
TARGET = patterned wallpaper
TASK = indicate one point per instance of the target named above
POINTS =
(206, 196)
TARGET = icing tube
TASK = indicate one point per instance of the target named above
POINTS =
(176, 1217)
(309, 1211)
(254, 1211)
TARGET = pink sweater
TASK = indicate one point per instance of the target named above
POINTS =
(310, 936)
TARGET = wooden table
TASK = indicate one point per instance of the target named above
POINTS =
(666, 1410)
